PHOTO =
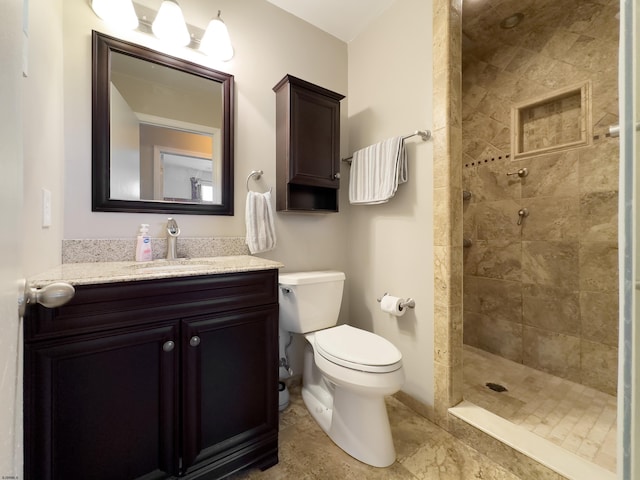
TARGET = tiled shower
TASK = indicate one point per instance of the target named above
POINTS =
(542, 293)
(540, 175)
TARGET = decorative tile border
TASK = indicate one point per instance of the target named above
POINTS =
(123, 249)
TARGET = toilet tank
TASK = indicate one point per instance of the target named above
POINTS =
(310, 301)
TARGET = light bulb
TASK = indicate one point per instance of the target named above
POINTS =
(117, 13)
(216, 41)
(169, 24)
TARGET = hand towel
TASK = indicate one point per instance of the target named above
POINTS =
(261, 232)
(376, 172)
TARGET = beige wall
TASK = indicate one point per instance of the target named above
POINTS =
(543, 293)
(269, 43)
(43, 135)
(391, 245)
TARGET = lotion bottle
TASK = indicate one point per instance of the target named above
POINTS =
(143, 246)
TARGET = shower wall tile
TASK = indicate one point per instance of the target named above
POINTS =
(469, 221)
(599, 317)
(448, 335)
(498, 299)
(448, 275)
(500, 259)
(490, 182)
(551, 175)
(551, 218)
(472, 323)
(600, 366)
(472, 96)
(496, 108)
(498, 220)
(599, 267)
(552, 352)
(491, 153)
(599, 216)
(551, 309)
(554, 264)
(500, 337)
(598, 167)
(473, 147)
(486, 127)
(447, 216)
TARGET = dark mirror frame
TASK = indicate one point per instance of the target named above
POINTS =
(103, 45)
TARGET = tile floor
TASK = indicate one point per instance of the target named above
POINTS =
(577, 418)
(424, 452)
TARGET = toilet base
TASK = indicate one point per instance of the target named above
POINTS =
(358, 423)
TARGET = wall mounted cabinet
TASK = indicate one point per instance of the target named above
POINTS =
(157, 379)
(307, 146)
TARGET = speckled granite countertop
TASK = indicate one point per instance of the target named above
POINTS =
(111, 272)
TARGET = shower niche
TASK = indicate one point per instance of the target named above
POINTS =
(558, 121)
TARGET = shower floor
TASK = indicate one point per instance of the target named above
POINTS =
(579, 419)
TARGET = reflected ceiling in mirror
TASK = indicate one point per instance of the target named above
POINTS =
(162, 132)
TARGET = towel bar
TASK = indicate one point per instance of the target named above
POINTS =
(424, 134)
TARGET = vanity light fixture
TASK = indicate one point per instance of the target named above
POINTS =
(216, 41)
(117, 13)
(169, 24)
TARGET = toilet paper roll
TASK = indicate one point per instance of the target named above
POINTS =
(391, 304)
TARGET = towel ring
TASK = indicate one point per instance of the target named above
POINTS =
(257, 174)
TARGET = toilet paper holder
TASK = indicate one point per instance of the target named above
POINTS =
(407, 303)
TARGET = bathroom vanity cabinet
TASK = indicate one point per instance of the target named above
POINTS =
(154, 379)
(307, 146)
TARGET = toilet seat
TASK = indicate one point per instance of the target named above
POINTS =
(357, 349)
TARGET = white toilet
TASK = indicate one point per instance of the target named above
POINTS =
(347, 371)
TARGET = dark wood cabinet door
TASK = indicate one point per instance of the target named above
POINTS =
(230, 388)
(103, 407)
(315, 139)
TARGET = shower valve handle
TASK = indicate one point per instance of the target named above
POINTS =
(523, 172)
(522, 213)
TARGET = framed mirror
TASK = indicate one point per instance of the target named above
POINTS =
(162, 132)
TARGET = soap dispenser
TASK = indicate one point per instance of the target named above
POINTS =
(143, 246)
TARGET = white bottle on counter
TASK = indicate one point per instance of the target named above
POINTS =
(143, 247)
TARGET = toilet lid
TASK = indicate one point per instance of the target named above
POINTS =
(358, 349)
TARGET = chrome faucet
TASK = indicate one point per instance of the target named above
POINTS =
(172, 239)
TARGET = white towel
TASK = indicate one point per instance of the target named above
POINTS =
(261, 232)
(376, 172)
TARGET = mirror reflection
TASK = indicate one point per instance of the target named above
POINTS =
(165, 136)
(162, 132)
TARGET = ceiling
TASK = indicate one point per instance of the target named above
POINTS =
(343, 19)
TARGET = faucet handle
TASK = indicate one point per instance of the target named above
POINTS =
(172, 227)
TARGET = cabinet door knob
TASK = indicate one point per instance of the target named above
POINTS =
(168, 346)
(336, 176)
(194, 341)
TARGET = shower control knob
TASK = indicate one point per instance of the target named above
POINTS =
(168, 346)
(523, 172)
(194, 341)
